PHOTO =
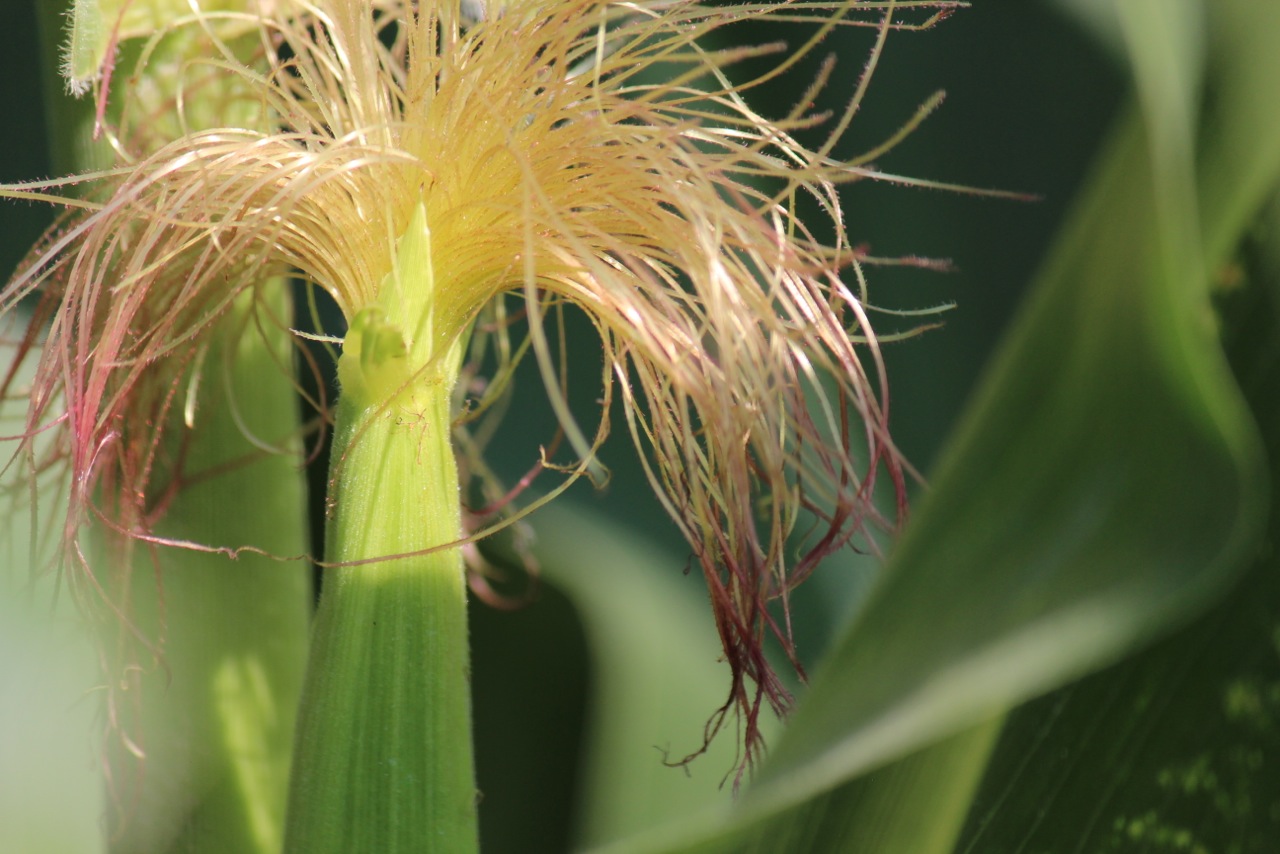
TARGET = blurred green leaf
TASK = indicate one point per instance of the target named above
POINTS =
(1239, 156)
(916, 804)
(656, 675)
(1106, 483)
(51, 795)
(1173, 750)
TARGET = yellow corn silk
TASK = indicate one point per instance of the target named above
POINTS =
(444, 169)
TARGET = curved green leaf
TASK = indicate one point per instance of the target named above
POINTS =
(1174, 749)
(656, 672)
(1105, 484)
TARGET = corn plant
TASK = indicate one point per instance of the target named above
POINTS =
(464, 190)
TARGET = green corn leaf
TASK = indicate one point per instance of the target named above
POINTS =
(656, 671)
(1173, 750)
(1106, 483)
(51, 797)
(215, 672)
(97, 27)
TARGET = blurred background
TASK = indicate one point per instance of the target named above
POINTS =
(1028, 97)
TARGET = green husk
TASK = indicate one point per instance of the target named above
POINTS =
(214, 651)
(384, 757)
